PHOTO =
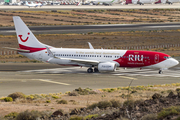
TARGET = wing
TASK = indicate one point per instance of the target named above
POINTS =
(82, 61)
(79, 61)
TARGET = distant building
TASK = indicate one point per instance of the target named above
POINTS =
(12, 1)
(8, 1)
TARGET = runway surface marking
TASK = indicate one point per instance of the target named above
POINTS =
(131, 78)
(119, 72)
(46, 80)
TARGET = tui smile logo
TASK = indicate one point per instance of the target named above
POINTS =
(20, 36)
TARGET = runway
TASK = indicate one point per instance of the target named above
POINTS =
(63, 79)
(93, 28)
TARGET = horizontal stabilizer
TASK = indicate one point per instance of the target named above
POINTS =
(17, 49)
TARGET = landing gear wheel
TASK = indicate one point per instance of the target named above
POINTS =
(89, 70)
(160, 71)
(96, 70)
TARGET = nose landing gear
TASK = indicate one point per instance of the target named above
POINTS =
(160, 71)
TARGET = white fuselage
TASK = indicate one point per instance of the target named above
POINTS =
(102, 55)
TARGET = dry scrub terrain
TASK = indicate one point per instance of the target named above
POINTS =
(138, 98)
(87, 17)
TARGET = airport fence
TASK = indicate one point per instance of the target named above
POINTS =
(145, 47)
(148, 47)
(8, 52)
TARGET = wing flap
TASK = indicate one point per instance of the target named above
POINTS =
(82, 61)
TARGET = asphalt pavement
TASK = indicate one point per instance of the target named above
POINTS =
(37, 78)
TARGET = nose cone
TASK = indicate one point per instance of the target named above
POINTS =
(174, 62)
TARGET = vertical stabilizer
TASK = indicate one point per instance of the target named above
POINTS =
(26, 38)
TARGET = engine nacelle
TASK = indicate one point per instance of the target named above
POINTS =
(107, 66)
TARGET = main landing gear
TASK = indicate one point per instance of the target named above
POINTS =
(160, 71)
(90, 70)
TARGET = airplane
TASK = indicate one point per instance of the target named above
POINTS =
(141, 2)
(33, 5)
(99, 59)
(79, 3)
(170, 2)
(104, 2)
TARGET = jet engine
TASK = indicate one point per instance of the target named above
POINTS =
(107, 66)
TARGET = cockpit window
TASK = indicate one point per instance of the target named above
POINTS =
(166, 57)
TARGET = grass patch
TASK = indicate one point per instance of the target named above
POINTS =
(8, 99)
(150, 117)
(48, 101)
(11, 115)
(62, 102)
(90, 116)
(16, 95)
(55, 97)
(105, 104)
(32, 115)
(173, 110)
(76, 118)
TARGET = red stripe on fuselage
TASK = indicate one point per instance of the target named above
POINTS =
(31, 49)
(135, 58)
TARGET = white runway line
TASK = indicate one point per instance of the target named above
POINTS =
(131, 78)
(46, 80)
(147, 73)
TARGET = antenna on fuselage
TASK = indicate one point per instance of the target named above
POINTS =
(90, 46)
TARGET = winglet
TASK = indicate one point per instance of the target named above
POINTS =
(49, 52)
(90, 46)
